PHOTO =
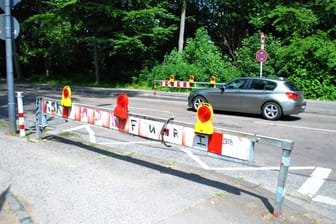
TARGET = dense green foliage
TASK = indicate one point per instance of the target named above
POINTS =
(200, 58)
(133, 41)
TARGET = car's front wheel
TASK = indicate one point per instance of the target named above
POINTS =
(197, 101)
(271, 111)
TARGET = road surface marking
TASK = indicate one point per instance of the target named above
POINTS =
(129, 143)
(196, 159)
(311, 186)
(88, 129)
(206, 167)
(325, 200)
(146, 109)
(298, 127)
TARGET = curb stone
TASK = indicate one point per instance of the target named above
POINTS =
(16, 208)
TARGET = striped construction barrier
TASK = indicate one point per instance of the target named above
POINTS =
(176, 133)
(184, 84)
(177, 84)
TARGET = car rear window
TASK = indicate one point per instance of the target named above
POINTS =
(291, 86)
(270, 85)
(257, 84)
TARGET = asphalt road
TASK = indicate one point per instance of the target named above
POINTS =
(312, 132)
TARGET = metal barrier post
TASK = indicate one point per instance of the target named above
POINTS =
(20, 113)
(39, 117)
(251, 154)
(287, 146)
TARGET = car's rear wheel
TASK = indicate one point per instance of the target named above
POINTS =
(271, 111)
(197, 101)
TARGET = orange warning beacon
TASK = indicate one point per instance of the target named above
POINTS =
(204, 124)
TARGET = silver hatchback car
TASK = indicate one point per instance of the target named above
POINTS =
(272, 98)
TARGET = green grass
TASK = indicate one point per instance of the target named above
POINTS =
(79, 81)
(3, 124)
(219, 194)
(42, 79)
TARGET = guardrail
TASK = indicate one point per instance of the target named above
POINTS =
(230, 144)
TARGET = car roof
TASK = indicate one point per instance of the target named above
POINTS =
(280, 79)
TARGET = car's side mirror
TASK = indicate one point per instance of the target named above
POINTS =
(223, 89)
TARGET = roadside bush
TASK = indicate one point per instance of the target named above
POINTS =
(321, 89)
(200, 58)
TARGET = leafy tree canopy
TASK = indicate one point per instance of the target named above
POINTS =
(134, 41)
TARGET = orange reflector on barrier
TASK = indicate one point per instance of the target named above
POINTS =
(204, 113)
(204, 119)
(121, 109)
(212, 80)
(171, 78)
(191, 79)
(66, 97)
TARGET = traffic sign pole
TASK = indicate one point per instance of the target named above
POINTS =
(262, 41)
(261, 54)
(9, 68)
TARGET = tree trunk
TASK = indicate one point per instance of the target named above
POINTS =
(182, 26)
(96, 62)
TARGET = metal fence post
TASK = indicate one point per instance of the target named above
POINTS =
(287, 146)
(252, 147)
(21, 113)
(39, 117)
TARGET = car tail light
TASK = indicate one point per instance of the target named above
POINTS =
(292, 96)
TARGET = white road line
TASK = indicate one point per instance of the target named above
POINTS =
(88, 129)
(146, 109)
(260, 168)
(129, 143)
(206, 167)
(311, 186)
(298, 127)
(325, 200)
(196, 159)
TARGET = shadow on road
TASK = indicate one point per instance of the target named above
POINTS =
(3, 198)
(167, 170)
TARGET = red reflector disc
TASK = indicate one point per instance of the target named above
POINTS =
(204, 114)
(122, 100)
(66, 92)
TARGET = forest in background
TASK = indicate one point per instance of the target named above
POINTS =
(133, 41)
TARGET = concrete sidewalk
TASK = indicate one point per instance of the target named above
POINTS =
(62, 180)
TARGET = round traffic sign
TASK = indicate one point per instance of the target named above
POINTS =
(15, 29)
(11, 3)
(261, 55)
